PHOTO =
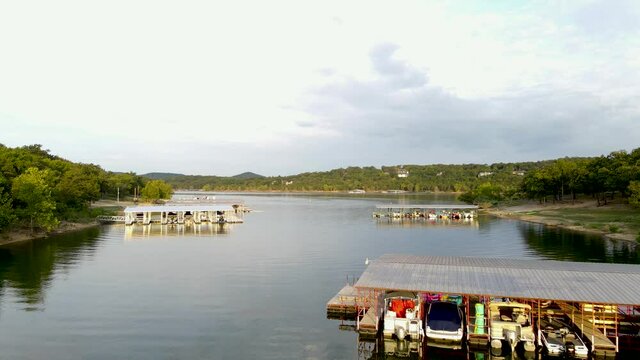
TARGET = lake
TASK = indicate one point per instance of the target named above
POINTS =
(256, 290)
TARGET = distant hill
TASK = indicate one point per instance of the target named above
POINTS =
(247, 175)
(162, 175)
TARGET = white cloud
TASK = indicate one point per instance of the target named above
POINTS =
(287, 86)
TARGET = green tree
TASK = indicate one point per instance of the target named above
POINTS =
(634, 191)
(79, 186)
(156, 190)
(7, 216)
(34, 201)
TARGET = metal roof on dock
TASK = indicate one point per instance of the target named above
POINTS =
(175, 208)
(531, 279)
(427, 206)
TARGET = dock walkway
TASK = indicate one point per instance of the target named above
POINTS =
(344, 304)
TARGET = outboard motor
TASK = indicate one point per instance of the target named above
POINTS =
(570, 348)
(510, 335)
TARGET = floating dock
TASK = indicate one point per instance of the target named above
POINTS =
(427, 211)
(574, 286)
(181, 214)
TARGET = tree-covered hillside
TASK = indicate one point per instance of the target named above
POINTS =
(618, 172)
(458, 178)
(38, 189)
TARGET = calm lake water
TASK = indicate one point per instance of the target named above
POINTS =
(256, 290)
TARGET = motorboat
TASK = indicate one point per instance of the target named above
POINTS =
(558, 340)
(445, 323)
(511, 323)
(575, 346)
(402, 316)
(553, 342)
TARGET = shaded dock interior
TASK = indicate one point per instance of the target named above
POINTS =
(598, 299)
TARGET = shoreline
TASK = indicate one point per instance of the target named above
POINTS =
(526, 212)
(523, 213)
(25, 235)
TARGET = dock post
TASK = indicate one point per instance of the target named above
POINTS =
(539, 332)
(615, 323)
(593, 321)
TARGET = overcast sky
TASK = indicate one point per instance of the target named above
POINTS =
(282, 87)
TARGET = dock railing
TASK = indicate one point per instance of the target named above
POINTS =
(105, 219)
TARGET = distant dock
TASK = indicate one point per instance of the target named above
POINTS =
(425, 211)
(195, 213)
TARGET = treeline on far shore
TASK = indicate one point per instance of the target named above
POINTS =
(38, 189)
(551, 180)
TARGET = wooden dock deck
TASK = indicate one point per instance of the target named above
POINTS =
(368, 325)
(344, 305)
(601, 345)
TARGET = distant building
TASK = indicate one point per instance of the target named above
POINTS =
(439, 174)
(403, 173)
(289, 182)
(518, 172)
(485, 173)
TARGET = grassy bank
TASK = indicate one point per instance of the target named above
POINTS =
(615, 220)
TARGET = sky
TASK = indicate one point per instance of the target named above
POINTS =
(284, 87)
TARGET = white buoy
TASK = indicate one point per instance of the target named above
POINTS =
(366, 261)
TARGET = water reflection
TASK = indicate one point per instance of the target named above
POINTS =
(29, 268)
(382, 222)
(205, 229)
(386, 349)
(559, 244)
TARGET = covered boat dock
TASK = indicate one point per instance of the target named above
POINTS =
(592, 295)
(181, 214)
(429, 211)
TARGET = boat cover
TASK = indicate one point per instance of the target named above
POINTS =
(444, 316)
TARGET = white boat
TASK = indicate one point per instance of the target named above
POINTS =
(575, 346)
(357, 191)
(445, 323)
(402, 317)
(558, 340)
(511, 323)
(553, 342)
